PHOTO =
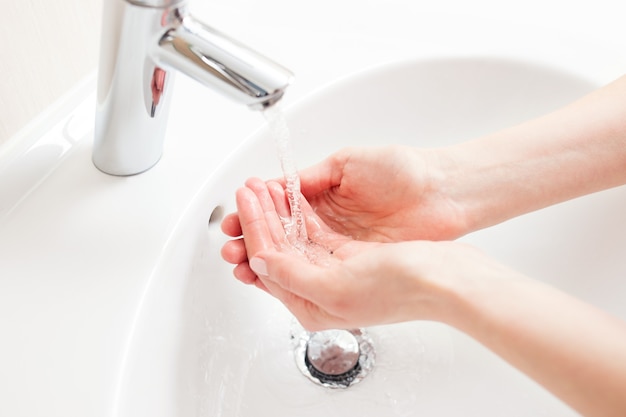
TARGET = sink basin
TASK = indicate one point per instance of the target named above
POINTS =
(203, 344)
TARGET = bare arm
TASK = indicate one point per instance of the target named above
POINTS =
(573, 349)
(577, 150)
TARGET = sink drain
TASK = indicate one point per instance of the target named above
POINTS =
(334, 358)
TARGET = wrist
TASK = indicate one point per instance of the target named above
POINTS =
(573, 151)
(496, 178)
(447, 281)
(458, 284)
(441, 207)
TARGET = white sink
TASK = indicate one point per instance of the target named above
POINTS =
(205, 345)
(114, 300)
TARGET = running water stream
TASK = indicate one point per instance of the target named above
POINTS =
(296, 228)
(331, 349)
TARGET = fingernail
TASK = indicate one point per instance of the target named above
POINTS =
(259, 266)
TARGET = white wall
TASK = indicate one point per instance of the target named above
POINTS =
(47, 48)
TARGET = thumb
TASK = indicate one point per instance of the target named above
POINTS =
(295, 282)
(292, 273)
(320, 177)
(258, 266)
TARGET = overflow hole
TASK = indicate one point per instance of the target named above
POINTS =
(216, 217)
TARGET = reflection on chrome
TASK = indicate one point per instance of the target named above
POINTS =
(333, 358)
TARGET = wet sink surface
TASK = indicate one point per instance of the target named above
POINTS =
(205, 345)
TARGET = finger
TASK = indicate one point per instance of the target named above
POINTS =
(274, 223)
(323, 175)
(287, 212)
(244, 274)
(313, 222)
(234, 251)
(279, 197)
(261, 285)
(297, 276)
(231, 226)
(308, 314)
(256, 232)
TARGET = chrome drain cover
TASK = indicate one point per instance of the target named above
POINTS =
(334, 358)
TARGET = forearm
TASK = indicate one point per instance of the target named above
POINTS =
(571, 348)
(573, 151)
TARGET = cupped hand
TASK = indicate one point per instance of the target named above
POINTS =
(260, 222)
(355, 283)
(387, 194)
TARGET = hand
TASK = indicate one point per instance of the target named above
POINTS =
(385, 194)
(263, 212)
(370, 194)
(360, 284)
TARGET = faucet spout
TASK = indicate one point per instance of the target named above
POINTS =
(144, 43)
(222, 63)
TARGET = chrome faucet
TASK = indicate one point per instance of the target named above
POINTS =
(143, 43)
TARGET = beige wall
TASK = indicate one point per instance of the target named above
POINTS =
(47, 48)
